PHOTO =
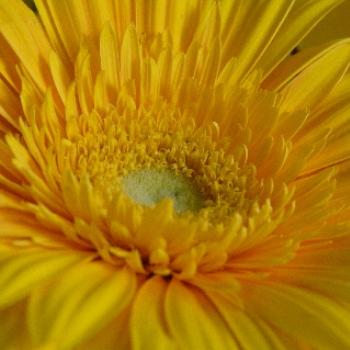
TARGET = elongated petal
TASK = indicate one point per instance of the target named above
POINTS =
(314, 319)
(333, 283)
(10, 108)
(20, 273)
(333, 27)
(296, 64)
(249, 331)
(23, 32)
(193, 321)
(8, 70)
(61, 25)
(116, 332)
(333, 114)
(80, 304)
(260, 22)
(310, 87)
(148, 317)
(303, 17)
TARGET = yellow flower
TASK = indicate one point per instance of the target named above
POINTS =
(171, 178)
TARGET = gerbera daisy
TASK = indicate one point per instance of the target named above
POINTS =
(171, 177)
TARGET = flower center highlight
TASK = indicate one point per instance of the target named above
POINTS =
(150, 186)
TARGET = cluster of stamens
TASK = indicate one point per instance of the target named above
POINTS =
(117, 152)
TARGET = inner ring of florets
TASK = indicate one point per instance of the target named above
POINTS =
(119, 152)
(155, 234)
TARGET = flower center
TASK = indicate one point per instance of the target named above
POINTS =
(150, 161)
(169, 197)
(150, 186)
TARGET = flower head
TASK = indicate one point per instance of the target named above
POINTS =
(171, 178)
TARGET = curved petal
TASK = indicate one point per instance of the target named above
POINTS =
(8, 69)
(61, 25)
(10, 107)
(21, 272)
(333, 283)
(340, 95)
(249, 332)
(332, 114)
(193, 321)
(335, 26)
(76, 307)
(116, 332)
(291, 67)
(148, 317)
(23, 32)
(314, 319)
(303, 17)
(66, 21)
(259, 21)
(310, 87)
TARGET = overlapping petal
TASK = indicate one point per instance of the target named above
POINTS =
(78, 305)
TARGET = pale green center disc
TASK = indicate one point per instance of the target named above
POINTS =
(150, 186)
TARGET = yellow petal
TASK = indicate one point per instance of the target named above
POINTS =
(116, 332)
(130, 55)
(183, 17)
(72, 309)
(260, 22)
(291, 67)
(57, 17)
(223, 283)
(334, 26)
(13, 331)
(59, 74)
(249, 331)
(193, 321)
(22, 30)
(110, 60)
(10, 108)
(7, 68)
(336, 150)
(333, 114)
(310, 87)
(304, 16)
(316, 320)
(147, 317)
(338, 96)
(20, 273)
(333, 283)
